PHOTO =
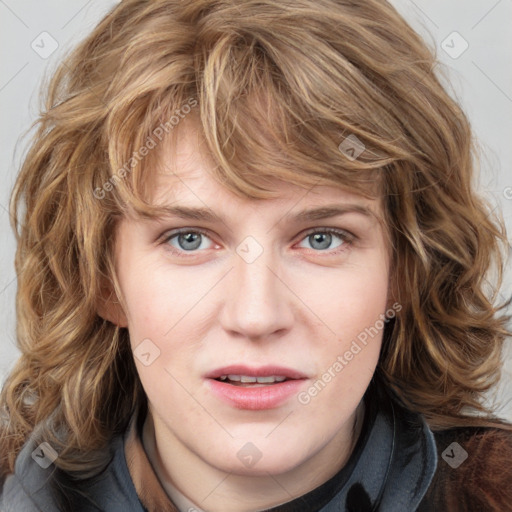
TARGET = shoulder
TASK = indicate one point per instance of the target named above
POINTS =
(26, 490)
(39, 485)
(473, 471)
(14, 497)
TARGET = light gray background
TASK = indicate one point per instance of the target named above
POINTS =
(480, 77)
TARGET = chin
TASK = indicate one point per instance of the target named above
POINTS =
(260, 459)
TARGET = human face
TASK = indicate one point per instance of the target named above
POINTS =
(255, 290)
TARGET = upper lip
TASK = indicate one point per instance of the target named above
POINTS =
(260, 371)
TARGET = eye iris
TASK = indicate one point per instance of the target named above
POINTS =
(189, 238)
(319, 237)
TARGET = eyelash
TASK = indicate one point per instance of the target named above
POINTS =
(346, 237)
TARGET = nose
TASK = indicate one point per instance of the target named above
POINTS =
(258, 303)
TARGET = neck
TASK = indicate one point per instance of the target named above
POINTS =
(190, 482)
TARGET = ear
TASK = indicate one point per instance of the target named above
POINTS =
(109, 307)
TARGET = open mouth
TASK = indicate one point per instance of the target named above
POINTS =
(250, 381)
(263, 388)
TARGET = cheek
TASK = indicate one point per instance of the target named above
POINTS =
(355, 300)
(153, 301)
(162, 328)
(354, 309)
(348, 360)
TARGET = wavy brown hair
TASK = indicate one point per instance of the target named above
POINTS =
(276, 87)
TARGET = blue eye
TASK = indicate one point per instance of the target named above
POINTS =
(320, 240)
(323, 238)
(187, 240)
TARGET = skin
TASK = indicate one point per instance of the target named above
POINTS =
(298, 305)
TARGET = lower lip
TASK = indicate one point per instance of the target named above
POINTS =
(256, 398)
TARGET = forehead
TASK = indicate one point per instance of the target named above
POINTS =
(184, 174)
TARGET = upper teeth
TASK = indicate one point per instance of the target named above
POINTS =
(261, 380)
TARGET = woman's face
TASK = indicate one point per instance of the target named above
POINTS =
(277, 288)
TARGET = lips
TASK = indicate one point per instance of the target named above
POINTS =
(238, 386)
(262, 371)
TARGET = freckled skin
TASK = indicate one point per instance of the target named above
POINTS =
(296, 305)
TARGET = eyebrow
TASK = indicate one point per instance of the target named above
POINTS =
(322, 212)
(326, 212)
